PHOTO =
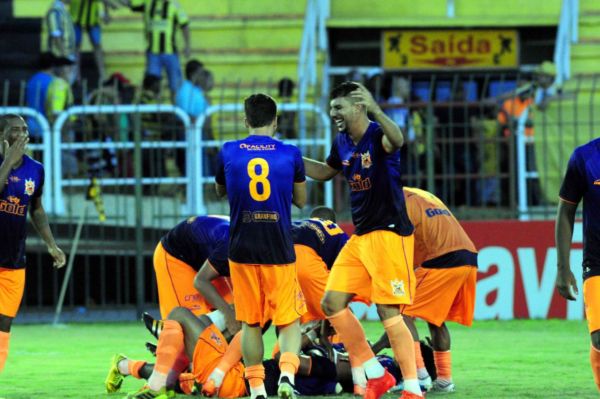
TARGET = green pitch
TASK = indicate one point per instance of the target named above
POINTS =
(516, 359)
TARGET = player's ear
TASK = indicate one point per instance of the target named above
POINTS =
(246, 123)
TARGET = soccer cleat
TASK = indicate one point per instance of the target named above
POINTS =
(114, 379)
(151, 348)
(443, 386)
(410, 395)
(285, 389)
(425, 384)
(146, 393)
(376, 387)
(209, 388)
(153, 325)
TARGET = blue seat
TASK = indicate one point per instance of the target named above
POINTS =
(499, 87)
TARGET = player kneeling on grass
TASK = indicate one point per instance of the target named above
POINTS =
(187, 341)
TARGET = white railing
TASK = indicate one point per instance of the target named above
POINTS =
(58, 146)
(322, 140)
(45, 147)
(566, 34)
(523, 174)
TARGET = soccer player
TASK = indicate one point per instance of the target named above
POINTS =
(203, 342)
(262, 177)
(445, 259)
(582, 181)
(193, 243)
(376, 263)
(22, 181)
(161, 21)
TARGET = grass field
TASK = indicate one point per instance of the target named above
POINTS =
(512, 359)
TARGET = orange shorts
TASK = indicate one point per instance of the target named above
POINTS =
(210, 347)
(175, 280)
(444, 295)
(266, 292)
(591, 299)
(12, 285)
(312, 276)
(376, 266)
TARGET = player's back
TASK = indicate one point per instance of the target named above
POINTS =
(196, 238)
(437, 231)
(325, 237)
(259, 173)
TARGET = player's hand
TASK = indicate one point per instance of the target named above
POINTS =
(565, 280)
(365, 98)
(58, 255)
(14, 153)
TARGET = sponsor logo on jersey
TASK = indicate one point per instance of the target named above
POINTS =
(258, 147)
(215, 338)
(597, 182)
(14, 179)
(398, 287)
(431, 212)
(260, 216)
(29, 187)
(12, 207)
(359, 184)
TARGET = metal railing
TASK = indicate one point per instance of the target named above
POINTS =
(567, 33)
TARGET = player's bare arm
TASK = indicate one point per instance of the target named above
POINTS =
(299, 195)
(392, 134)
(318, 170)
(12, 154)
(203, 284)
(565, 219)
(40, 222)
(221, 190)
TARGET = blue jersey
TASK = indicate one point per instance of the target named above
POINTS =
(324, 236)
(23, 184)
(259, 173)
(582, 181)
(197, 239)
(373, 175)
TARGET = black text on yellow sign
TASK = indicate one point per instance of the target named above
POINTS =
(442, 49)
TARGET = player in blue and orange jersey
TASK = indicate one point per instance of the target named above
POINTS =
(376, 263)
(181, 253)
(21, 185)
(582, 181)
(445, 259)
(262, 177)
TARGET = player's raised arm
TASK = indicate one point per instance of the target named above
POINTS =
(392, 134)
(318, 170)
(565, 219)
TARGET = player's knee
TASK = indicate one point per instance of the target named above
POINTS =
(5, 323)
(595, 336)
(387, 311)
(330, 306)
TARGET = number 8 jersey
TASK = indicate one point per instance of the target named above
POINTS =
(259, 173)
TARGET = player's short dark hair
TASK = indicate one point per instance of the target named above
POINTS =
(5, 120)
(285, 87)
(192, 67)
(343, 89)
(260, 110)
(323, 212)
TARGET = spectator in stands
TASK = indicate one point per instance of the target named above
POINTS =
(190, 95)
(515, 113)
(286, 121)
(161, 20)
(36, 92)
(61, 32)
(86, 15)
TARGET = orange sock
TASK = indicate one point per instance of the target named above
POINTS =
(170, 345)
(352, 335)
(401, 342)
(4, 338)
(233, 354)
(419, 356)
(288, 363)
(134, 367)
(595, 361)
(443, 364)
(256, 379)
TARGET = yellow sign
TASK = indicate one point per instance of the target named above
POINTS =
(473, 49)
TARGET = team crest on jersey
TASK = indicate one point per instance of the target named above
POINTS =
(398, 287)
(29, 187)
(365, 160)
(216, 338)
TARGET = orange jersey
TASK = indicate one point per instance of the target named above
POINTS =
(437, 232)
